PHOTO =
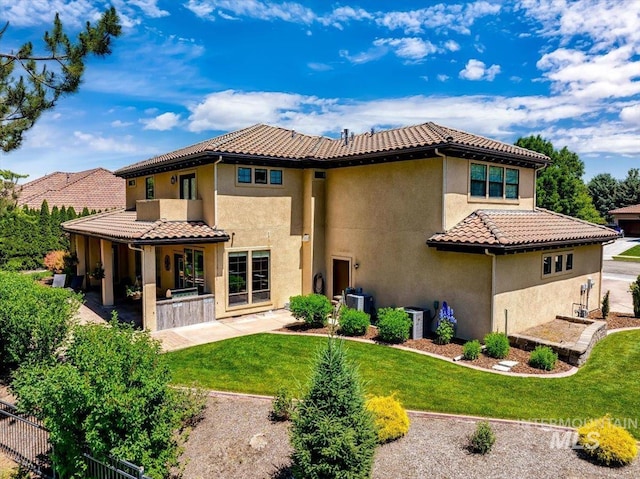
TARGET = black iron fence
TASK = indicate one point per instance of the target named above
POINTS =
(25, 440)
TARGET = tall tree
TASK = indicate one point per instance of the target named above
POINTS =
(31, 83)
(560, 186)
(9, 190)
(603, 189)
(629, 189)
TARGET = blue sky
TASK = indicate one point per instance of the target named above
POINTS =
(184, 71)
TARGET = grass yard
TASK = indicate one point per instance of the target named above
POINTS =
(608, 383)
(634, 251)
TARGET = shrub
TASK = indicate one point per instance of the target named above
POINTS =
(282, 406)
(393, 325)
(446, 326)
(543, 357)
(483, 439)
(605, 306)
(634, 288)
(55, 261)
(471, 350)
(607, 443)
(332, 433)
(111, 395)
(313, 309)
(390, 418)
(497, 345)
(34, 320)
(353, 322)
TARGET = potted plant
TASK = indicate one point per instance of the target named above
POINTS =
(98, 272)
(134, 292)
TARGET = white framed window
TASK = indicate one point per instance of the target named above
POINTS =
(557, 263)
(249, 277)
(493, 182)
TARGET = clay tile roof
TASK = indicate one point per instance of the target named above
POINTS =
(632, 209)
(269, 142)
(521, 229)
(122, 225)
(96, 189)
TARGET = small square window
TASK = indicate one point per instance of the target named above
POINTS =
(320, 175)
(131, 183)
(244, 175)
(260, 176)
(275, 177)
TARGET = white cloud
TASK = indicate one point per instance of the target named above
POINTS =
(413, 49)
(163, 122)
(371, 54)
(121, 124)
(286, 11)
(452, 45)
(341, 15)
(319, 67)
(443, 77)
(476, 70)
(100, 143)
(631, 114)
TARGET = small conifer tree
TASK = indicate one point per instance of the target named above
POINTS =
(605, 306)
(333, 434)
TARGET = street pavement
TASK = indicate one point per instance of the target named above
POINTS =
(617, 275)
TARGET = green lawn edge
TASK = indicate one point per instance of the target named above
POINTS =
(259, 364)
(622, 257)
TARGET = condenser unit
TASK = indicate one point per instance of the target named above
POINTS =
(361, 302)
(417, 321)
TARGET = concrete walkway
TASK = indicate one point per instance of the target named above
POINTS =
(187, 336)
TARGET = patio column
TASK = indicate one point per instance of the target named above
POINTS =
(149, 288)
(106, 258)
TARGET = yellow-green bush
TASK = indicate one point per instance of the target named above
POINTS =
(606, 442)
(390, 417)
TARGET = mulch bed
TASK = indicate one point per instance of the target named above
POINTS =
(449, 351)
(617, 320)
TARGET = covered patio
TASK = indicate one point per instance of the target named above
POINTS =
(159, 269)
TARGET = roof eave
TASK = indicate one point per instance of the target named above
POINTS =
(502, 249)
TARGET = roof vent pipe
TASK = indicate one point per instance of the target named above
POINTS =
(345, 136)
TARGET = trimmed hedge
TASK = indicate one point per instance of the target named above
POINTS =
(394, 325)
(313, 309)
(353, 322)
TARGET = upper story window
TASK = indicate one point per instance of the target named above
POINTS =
(188, 187)
(259, 176)
(149, 188)
(557, 263)
(498, 182)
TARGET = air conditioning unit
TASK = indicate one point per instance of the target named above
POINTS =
(361, 302)
(417, 321)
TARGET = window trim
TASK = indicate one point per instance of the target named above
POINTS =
(188, 176)
(268, 183)
(558, 262)
(249, 252)
(488, 183)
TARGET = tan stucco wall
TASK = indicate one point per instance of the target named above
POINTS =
(380, 217)
(459, 204)
(260, 217)
(164, 189)
(531, 299)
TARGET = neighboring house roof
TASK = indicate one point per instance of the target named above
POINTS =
(519, 230)
(632, 209)
(96, 189)
(122, 226)
(264, 143)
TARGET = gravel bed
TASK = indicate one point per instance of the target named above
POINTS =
(237, 440)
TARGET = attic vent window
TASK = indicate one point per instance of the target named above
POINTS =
(320, 175)
(131, 183)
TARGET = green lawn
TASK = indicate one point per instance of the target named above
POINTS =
(635, 251)
(608, 383)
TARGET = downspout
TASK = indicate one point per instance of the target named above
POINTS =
(444, 188)
(131, 247)
(493, 287)
(215, 191)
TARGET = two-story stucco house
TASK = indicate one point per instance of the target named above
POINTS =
(410, 215)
